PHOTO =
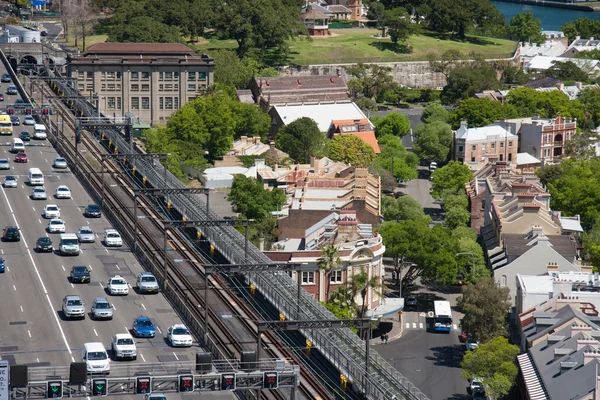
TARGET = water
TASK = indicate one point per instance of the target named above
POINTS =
(552, 18)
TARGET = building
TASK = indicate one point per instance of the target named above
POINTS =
(358, 247)
(542, 63)
(20, 34)
(288, 90)
(150, 81)
(550, 48)
(578, 45)
(322, 114)
(543, 138)
(355, 7)
(362, 128)
(541, 85)
(248, 146)
(316, 23)
(527, 163)
(477, 147)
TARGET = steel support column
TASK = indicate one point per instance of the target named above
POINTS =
(206, 285)
(165, 259)
(135, 223)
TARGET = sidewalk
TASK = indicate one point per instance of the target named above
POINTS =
(390, 326)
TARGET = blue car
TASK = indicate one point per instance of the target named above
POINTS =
(2, 267)
(143, 327)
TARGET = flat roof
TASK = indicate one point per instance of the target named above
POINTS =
(139, 48)
(322, 114)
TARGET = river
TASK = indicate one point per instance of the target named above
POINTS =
(552, 18)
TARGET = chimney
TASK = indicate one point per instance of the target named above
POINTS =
(272, 144)
(552, 267)
(561, 352)
(275, 168)
(535, 117)
(560, 86)
(562, 287)
(577, 37)
(591, 355)
(261, 244)
(568, 300)
(244, 139)
(582, 343)
(464, 123)
(575, 329)
(579, 85)
(536, 230)
(256, 139)
(566, 366)
(591, 39)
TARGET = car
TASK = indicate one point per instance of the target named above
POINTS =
(62, 192)
(101, 309)
(44, 33)
(463, 337)
(21, 158)
(51, 211)
(155, 396)
(179, 336)
(460, 280)
(432, 166)
(85, 234)
(4, 163)
(16, 121)
(28, 120)
(471, 344)
(1, 97)
(44, 244)
(39, 193)
(476, 387)
(59, 163)
(112, 238)
(93, 211)
(25, 136)
(56, 225)
(11, 234)
(143, 327)
(5, 78)
(411, 301)
(19, 102)
(117, 285)
(10, 182)
(73, 307)
(2, 266)
(123, 346)
(80, 274)
(147, 283)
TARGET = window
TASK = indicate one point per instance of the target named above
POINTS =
(161, 103)
(135, 76)
(168, 103)
(135, 103)
(460, 149)
(201, 76)
(501, 158)
(80, 86)
(336, 276)
(308, 278)
(191, 76)
(145, 76)
(90, 87)
(118, 103)
(161, 87)
(111, 87)
(472, 158)
(145, 103)
(473, 148)
(510, 144)
(501, 144)
(504, 280)
(175, 75)
(169, 87)
(145, 87)
(191, 87)
(493, 145)
(135, 88)
(176, 103)
(110, 103)
(89, 75)
(509, 156)
(111, 75)
(79, 74)
(103, 86)
(168, 76)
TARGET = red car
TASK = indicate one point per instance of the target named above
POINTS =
(1, 97)
(463, 337)
(21, 157)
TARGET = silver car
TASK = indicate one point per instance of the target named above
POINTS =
(60, 163)
(10, 182)
(147, 283)
(101, 309)
(73, 307)
(86, 235)
(39, 193)
(4, 163)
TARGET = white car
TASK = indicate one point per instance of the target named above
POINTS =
(123, 346)
(117, 285)
(179, 336)
(56, 225)
(112, 238)
(51, 211)
(85, 234)
(62, 192)
(10, 182)
(39, 193)
(471, 344)
(29, 120)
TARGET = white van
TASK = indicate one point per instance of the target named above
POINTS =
(96, 358)
(35, 176)
(39, 131)
(17, 145)
(69, 244)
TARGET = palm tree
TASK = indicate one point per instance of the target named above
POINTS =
(329, 261)
(361, 283)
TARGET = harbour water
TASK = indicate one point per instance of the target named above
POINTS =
(552, 18)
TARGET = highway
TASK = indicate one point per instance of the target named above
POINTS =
(32, 288)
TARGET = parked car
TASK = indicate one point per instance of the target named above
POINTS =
(411, 301)
(471, 344)
(463, 337)
(432, 166)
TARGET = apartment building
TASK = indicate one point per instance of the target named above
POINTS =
(476, 147)
(149, 81)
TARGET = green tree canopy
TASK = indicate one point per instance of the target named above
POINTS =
(450, 179)
(250, 198)
(399, 25)
(590, 100)
(485, 307)
(433, 141)
(375, 13)
(368, 80)
(494, 363)
(457, 214)
(525, 27)
(528, 101)
(144, 29)
(435, 112)
(301, 139)
(481, 112)
(394, 123)
(583, 27)
(458, 16)
(470, 258)
(567, 71)
(232, 71)
(350, 150)
(402, 208)
(394, 156)
(467, 79)
(591, 246)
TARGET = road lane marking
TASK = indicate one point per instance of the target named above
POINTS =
(177, 358)
(37, 359)
(127, 329)
(113, 306)
(454, 326)
(63, 267)
(143, 306)
(29, 333)
(45, 160)
(141, 355)
(407, 325)
(72, 286)
(14, 287)
(40, 220)
(21, 308)
(420, 325)
(117, 265)
(91, 269)
(100, 283)
(95, 332)
(106, 250)
(8, 269)
(2, 250)
(158, 329)
(88, 222)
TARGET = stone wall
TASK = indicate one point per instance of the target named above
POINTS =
(416, 74)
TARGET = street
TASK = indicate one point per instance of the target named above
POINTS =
(419, 189)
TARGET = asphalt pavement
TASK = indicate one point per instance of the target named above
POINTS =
(419, 189)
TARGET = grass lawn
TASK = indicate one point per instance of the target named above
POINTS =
(89, 40)
(356, 45)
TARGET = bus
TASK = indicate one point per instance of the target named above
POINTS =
(443, 316)
(6, 127)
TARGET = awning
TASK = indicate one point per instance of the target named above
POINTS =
(530, 376)
(389, 306)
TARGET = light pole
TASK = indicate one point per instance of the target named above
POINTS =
(472, 261)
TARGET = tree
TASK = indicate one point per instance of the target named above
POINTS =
(144, 29)
(399, 25)
(456, 213)
(392, 124)
(402, 208)
(233, 71)
(83, 14)
(388, 182)
(395, 158)
(528, 101)
(399, 243)
(350, 150)
(450, 179)
(360, 285)
(249, 120)
(257, 24)
(65, 9)
(368, 80)
(301, 139)
(590, 100)
(481, 112)
(514, 76)
(433, 141)
(567, 71)
(581, 145)
(249, 198)
(485, 307)
(470, 258)
(460, 15)
(446, 63)
(494, 363)
(466, 80)
(525, 27)
(435, 112)
(583, 27)
(375, 13)
(366, 104)
(329, 261)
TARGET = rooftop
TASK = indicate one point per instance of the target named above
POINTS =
(322, 114)
(483, 133)
(526, 159)
(139, 48)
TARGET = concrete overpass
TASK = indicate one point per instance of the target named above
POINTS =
(31, 55)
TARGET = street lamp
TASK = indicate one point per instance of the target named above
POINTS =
(472, 261)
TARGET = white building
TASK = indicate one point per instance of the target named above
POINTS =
(476, 147)
(20, 34)
(542, 63)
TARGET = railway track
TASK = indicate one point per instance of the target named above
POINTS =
(185, 262)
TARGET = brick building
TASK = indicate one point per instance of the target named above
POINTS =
(477, 147)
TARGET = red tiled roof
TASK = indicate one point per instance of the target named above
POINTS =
(367, 137)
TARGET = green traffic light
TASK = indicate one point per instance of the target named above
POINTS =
(99, 387)
(55, 388)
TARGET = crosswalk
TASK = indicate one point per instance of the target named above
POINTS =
(421, 325)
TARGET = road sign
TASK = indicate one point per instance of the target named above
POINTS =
(4, 380)
(430, 314)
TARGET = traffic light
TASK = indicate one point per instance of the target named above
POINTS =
(99, 387)
(28, 111)
(142, 384)
(227, 381)
(54, 389)
(270, 380)
(10, 110)
(45, 111)
(186, 383)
